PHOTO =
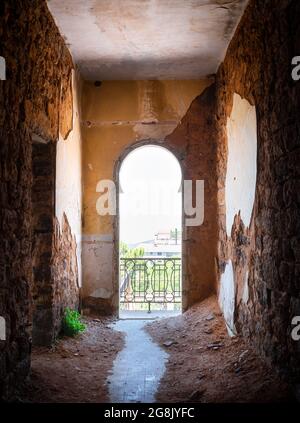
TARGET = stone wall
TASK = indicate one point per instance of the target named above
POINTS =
(35, 98)
(43, 189)
(265, 256)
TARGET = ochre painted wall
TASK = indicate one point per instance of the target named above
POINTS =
(115, 116)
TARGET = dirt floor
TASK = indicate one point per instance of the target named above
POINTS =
(75, 369)
(206, 365)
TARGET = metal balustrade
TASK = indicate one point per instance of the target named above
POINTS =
(150, 281)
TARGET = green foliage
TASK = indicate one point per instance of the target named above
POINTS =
(126, 252)
(136, 252)
(72, 324)
(123, 249)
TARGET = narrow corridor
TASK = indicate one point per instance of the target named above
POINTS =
(86, 85)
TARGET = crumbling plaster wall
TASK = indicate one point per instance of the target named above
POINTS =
(35, 102)
(265, 255)
(117, 117)
(240, 187)
(68, 173)
(56, 210)
(240, 184)
(66, 265)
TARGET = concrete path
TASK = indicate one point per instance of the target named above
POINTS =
(138, 367)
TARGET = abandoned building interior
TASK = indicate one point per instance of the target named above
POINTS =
(87, 83)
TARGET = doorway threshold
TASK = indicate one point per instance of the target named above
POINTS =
(144, 315)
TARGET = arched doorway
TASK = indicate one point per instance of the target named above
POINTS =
(150, 232)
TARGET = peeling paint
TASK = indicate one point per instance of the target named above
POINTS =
(242, 162)
(120, 114)
(227, 297)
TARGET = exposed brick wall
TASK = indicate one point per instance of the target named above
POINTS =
(34, 98)
(258, 67)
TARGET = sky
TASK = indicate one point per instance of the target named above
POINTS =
(150, 197)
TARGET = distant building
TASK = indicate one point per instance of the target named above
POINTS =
(165, 244)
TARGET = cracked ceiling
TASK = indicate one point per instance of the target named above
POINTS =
(147, 39)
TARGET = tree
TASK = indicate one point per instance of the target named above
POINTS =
(126, 252)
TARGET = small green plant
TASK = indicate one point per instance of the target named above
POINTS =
(71, 323)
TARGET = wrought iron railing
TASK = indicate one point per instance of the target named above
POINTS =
(150, 281)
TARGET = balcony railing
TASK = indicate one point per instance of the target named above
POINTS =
(150, 281)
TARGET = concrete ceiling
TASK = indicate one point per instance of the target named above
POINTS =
(147, 39)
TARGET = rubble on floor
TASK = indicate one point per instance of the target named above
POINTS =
(207, 365)
(75, 369)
